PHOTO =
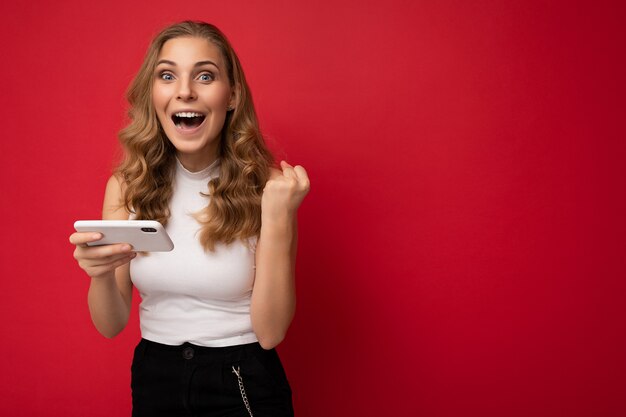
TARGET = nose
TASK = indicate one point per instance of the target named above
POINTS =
(185, 90)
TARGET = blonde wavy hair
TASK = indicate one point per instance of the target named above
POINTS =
(234, 209)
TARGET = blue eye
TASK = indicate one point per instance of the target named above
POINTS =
(166, 76)
(206, 76)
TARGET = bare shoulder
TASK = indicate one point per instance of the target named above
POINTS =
(113, 206)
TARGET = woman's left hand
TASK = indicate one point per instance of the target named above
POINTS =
(284, 192)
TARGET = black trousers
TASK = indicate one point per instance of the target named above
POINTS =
(190, 380)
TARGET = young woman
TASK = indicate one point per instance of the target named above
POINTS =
(215, 307)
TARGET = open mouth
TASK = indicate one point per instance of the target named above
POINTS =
(187, 120)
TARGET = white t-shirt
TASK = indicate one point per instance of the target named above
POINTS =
(189, 294)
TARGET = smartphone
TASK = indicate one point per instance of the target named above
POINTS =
(142, 235)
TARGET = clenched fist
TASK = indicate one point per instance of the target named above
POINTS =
(284, 192)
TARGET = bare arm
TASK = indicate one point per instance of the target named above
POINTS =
(110, 291)
(274, 293)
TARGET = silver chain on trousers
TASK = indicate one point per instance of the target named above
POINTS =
(244, 397)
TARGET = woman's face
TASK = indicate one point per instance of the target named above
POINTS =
(191, 95)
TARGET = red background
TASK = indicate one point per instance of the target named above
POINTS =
(463, 246)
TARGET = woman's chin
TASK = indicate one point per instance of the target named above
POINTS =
(186, 147)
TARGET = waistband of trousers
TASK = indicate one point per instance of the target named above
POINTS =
(221, 352)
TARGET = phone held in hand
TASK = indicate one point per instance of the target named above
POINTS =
(142, 235)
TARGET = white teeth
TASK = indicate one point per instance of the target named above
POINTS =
(187, 114)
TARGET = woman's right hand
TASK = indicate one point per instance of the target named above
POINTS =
(100, 261)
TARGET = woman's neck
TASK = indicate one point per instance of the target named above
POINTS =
(195, 163)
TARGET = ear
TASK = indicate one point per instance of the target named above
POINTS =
(233, 102)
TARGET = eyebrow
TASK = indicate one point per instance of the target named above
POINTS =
(197, 64)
